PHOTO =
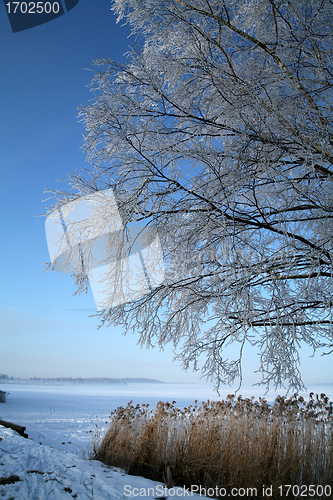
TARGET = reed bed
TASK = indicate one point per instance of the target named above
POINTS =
(233, 443)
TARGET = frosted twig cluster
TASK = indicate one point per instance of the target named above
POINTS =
(218, 132)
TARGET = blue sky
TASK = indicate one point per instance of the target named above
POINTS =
(44, 329)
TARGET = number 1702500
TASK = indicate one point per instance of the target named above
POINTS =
(305, 490)
(33, 7)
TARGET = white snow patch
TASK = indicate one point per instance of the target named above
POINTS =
(47, 473)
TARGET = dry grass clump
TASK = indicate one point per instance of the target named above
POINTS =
(233, 443)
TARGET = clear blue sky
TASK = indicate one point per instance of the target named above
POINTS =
(43, 81)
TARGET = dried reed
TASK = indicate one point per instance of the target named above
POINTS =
(233, 443)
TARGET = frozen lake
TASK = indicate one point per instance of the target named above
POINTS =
(57, 414)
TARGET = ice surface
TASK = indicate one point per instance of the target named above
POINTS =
(56, 414)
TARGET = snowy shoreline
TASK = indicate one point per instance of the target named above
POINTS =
(42, 472)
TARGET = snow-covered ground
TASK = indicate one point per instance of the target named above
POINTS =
(53, 463)
(40, 472)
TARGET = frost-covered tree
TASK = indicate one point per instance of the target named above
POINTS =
(218, 133)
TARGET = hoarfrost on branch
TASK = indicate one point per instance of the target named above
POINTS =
(218, 133)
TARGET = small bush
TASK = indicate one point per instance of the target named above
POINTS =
(233, 443)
